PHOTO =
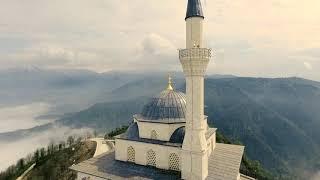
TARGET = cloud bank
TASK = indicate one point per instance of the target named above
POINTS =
(23, 116)
(260, 38)
(11, 152)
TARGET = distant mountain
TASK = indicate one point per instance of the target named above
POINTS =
(220, 76)
(59, 88)
(65, 90)
(7, 137)
(73, 90)
(105, 117)
(277, 119)
(147, 87)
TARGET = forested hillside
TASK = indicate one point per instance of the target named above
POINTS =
(277, 119)
(52, 162)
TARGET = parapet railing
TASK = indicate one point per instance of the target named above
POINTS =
(195, 53)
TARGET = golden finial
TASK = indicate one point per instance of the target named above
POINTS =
(169, 83)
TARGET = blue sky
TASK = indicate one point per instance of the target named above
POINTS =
(265, 38)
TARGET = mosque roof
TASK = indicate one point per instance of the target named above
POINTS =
(132, 132)
(224, 163)
(178, 135)
(194, 9)
(176, 139)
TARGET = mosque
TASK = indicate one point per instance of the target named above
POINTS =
(170, 138)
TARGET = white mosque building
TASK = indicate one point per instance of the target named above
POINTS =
(170, 138)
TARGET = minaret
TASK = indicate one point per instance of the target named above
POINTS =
(194, 60)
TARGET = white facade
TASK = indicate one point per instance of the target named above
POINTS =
(162, 153)
(157, 131)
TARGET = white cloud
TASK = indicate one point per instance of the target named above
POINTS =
(10, 152)
(22, 117)
(155, 44)
(307, 65)
(108, 35)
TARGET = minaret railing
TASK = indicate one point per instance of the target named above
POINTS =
(195, 53)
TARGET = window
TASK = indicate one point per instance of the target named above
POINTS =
(131, 154)
(174, 162)
(154, 134)
(151, 158)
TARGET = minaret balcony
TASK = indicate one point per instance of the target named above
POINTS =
(195, 60)
(202, 53)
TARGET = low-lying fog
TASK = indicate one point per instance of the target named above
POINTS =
(11, 152)
(24, 117)
(29, 96)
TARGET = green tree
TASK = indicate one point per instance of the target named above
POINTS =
(51, 148)
(42, 152)
(62, 145)
(36, 156)
(79, 139)
(20, 164)
(29, 159)
(70, 140)
(115, 132)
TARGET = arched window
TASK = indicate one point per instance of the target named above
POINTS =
(154, 134)
(151, 158)
(174, 162)
(131, 154)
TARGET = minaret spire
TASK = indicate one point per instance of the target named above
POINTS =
(169, 87)
(194, 24)
(194, 9)
(194, 60)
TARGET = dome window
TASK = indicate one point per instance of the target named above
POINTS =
(154, 134)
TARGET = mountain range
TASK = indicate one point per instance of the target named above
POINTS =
(278, 119)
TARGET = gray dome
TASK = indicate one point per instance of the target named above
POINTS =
(178, 135)
(166, 107)
(133, 131)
